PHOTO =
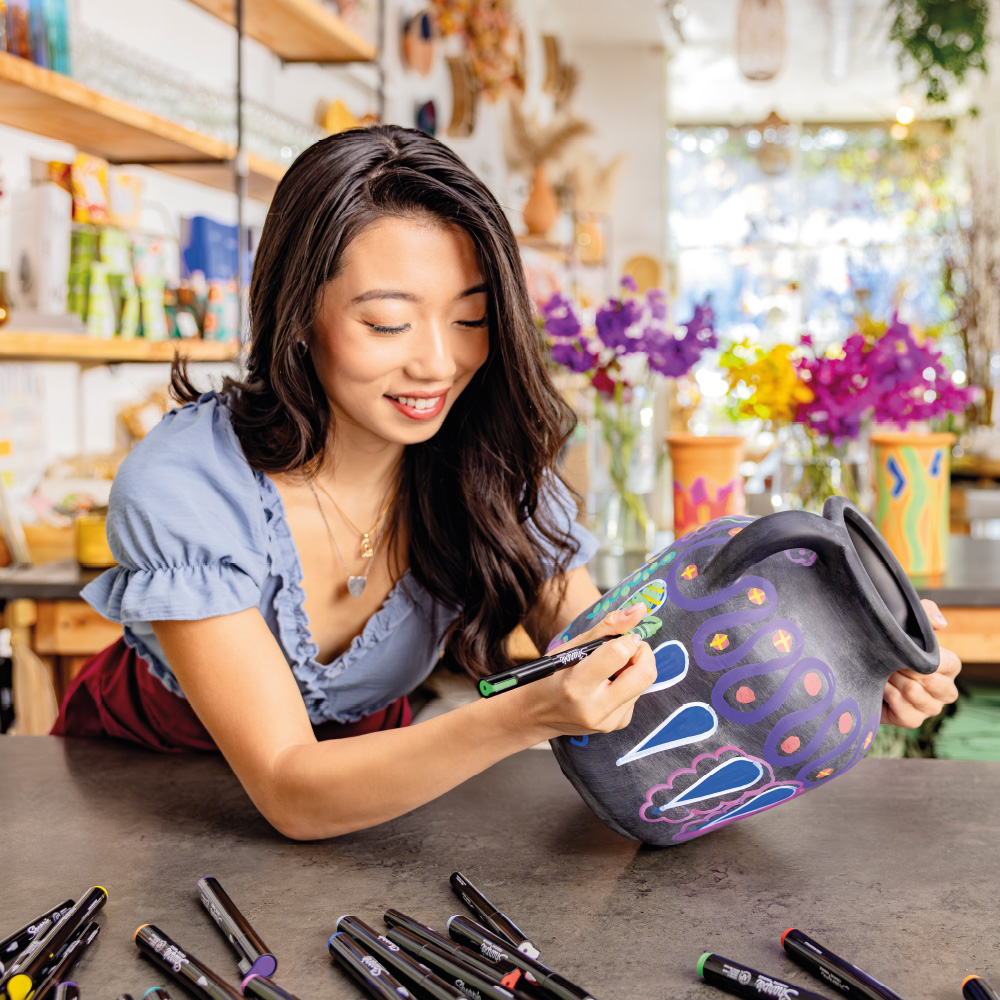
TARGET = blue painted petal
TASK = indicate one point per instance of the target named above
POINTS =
(771, 797)
(671, 665)
(688, 724)
(731, 776)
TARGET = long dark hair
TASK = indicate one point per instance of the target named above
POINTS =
(469, 492)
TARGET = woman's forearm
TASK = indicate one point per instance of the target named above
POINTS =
(325, 789)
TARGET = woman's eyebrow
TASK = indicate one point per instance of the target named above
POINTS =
(390, 293)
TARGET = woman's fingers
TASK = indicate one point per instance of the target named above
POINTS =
(934, 613)
(614, 623)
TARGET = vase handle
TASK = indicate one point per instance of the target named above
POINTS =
(768, 535)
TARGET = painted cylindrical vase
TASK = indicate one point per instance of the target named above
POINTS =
(912, 487)
(773, 640)
(707, 479)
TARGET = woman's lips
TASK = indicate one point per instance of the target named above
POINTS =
(427, 413)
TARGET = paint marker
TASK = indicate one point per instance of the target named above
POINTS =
(256, 985)
(182, 965)
(453, 971)
(825, 965)
(27, 970)
(365, 968)
(128, 996)
(12, 946)
(24, 956)
(734, 977)
(976, 988)
(66, 991)
(503, 973)
(490, 916)
(254, 956)
(398, 961)
(471, 934)
(154, 993)
(535, 670)
(56, 973)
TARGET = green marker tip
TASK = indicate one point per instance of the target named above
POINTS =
(701, 964)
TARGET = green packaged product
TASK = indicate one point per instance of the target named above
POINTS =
(153, 314)
(100, 307)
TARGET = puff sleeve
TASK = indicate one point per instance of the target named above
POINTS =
(185, 524)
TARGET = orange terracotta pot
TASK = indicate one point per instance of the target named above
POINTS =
(707, 479)
(542, 207)
(912, 485)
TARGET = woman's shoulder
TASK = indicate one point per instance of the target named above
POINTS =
(193, 446)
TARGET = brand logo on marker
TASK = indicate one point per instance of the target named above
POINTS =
(835, 980)
(469, 991)
(489, 950)
(373, 966)
(771, 988)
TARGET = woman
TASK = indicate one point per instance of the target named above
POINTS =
(295, 551)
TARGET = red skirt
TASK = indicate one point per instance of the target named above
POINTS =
(114, 695)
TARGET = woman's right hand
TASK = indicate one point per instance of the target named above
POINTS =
(595, 695)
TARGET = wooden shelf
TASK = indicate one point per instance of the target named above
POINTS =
(36, 346)
(295, 30)
(46, 103)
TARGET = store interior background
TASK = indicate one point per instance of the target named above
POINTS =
(641, 84)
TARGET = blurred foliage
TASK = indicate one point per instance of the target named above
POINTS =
(942, 40)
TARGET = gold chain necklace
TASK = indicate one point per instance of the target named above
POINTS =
(355, 584)
(367, 549)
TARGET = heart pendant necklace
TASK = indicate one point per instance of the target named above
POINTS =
(355, 584)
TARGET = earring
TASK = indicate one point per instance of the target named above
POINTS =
(302, 346)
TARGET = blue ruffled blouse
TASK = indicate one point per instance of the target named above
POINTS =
(198, 533)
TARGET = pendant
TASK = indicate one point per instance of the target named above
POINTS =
(367, 552)
(356, 586)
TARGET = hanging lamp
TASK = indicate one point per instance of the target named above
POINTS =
(760, 38)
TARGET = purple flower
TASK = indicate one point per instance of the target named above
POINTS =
(628, 283)
(573, 355)
(560, 317)
(656, 303)
(614, 321)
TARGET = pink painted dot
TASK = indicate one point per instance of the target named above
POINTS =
(790, 745)
(844, 722)
(812, 683)
(745, 695)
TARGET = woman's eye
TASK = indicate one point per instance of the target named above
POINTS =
(473, 322)
(389, 329)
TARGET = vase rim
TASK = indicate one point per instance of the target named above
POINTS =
(712, 440)
(911, 437)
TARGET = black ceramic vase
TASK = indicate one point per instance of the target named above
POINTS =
(776, 638)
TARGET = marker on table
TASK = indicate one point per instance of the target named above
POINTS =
(254, 955)
(502, 973)
(976, 988)
(27, 970)
(469, 933)
(66, 991)
(734, 977)
(450, 969)
(403, 967)
(182, 965)
(56, 973)
(490, 916)
(12, 945)
(256, 985)
(154, 993)
(365, 968)
(825, 965)
(535, 670)
(24, 956)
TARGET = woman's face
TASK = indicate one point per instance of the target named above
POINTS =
(402, 329)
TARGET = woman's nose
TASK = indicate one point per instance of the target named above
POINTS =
(433, 358)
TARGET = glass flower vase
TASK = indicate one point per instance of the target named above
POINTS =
(813, 469)
(623, 475)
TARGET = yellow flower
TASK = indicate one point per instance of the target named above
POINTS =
(765, 384)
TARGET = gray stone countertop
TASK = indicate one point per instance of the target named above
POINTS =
(894, 866)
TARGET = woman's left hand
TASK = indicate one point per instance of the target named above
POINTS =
(909, 697)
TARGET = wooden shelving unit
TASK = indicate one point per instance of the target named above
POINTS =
(38, 346)
(46, 103)
(295, 30)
